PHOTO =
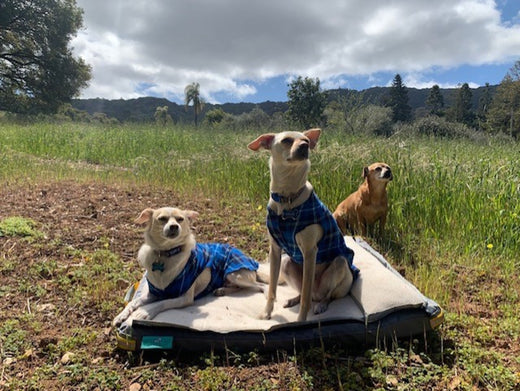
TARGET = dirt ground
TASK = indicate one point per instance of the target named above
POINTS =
(50, 339)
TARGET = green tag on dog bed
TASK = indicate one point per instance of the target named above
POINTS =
(156, 342)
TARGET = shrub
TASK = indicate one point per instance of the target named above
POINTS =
(372, 119)
(433, 125)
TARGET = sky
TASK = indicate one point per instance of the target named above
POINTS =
(249, 51)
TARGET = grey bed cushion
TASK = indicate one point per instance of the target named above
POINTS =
(379, 292)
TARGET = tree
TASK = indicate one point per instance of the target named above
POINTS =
(255, 119)
(306, 102)
(342, 113)
(462, 110)
(215, 116)
(161, 116)
(192, 95)
(435, 101)
(483, 106)
(504, 110)
(37, 70)
(398, 101)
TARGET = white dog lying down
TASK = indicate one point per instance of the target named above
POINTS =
(179, 270)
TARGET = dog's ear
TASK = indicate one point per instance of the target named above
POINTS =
(191, 214)
(145, 216)
(264, 141)
(313, 135)
(365, 172)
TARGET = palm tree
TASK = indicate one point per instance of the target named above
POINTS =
(192, 94)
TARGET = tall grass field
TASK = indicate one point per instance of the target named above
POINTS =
(453, 227)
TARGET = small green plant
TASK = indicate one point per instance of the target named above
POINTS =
(13, 339)
(19, 226)
(214, 378)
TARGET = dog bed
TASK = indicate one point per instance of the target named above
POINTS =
(382, 304)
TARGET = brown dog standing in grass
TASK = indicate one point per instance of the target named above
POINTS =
(367, 205)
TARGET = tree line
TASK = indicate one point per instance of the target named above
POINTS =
(497, 112)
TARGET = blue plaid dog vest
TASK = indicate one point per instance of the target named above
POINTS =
(222, 259)
(283, 228)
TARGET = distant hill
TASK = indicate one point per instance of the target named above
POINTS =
(143, 109)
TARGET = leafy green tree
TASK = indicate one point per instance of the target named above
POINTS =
(306, 102)
(161, 116)
(398, 101)
(435, 101)
(462, 110)
(192, 95)
(504, 111)
(37, 70)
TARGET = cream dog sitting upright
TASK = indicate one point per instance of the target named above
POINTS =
(367, 205)
(179, 270)
(317, 261)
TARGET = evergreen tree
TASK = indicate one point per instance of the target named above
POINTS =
(398, 101)
(462, 109)
(306, 102)
(435, 101)
(483, 106)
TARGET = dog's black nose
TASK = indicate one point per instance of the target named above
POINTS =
(303, 150)
(173, 230)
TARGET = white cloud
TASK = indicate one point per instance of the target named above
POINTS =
(417, 80)
(166, 45)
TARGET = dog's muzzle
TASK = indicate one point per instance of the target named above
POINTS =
(171, 230)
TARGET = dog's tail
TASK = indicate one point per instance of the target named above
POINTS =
(262, 274)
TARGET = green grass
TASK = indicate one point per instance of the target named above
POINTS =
(453, 227)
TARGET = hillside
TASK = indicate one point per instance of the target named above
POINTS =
(143, 109)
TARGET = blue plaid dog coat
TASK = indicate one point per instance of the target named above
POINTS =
(283, 228)
(222, 259)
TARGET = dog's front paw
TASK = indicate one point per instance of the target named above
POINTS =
(292, 302)
(320, 307)
(266, 315)
(219, 292)
(141, 314)
(119, 319)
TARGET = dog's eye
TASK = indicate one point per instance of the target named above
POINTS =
(163, 219)
(287, 141)
(378, 169)
(179, 219)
